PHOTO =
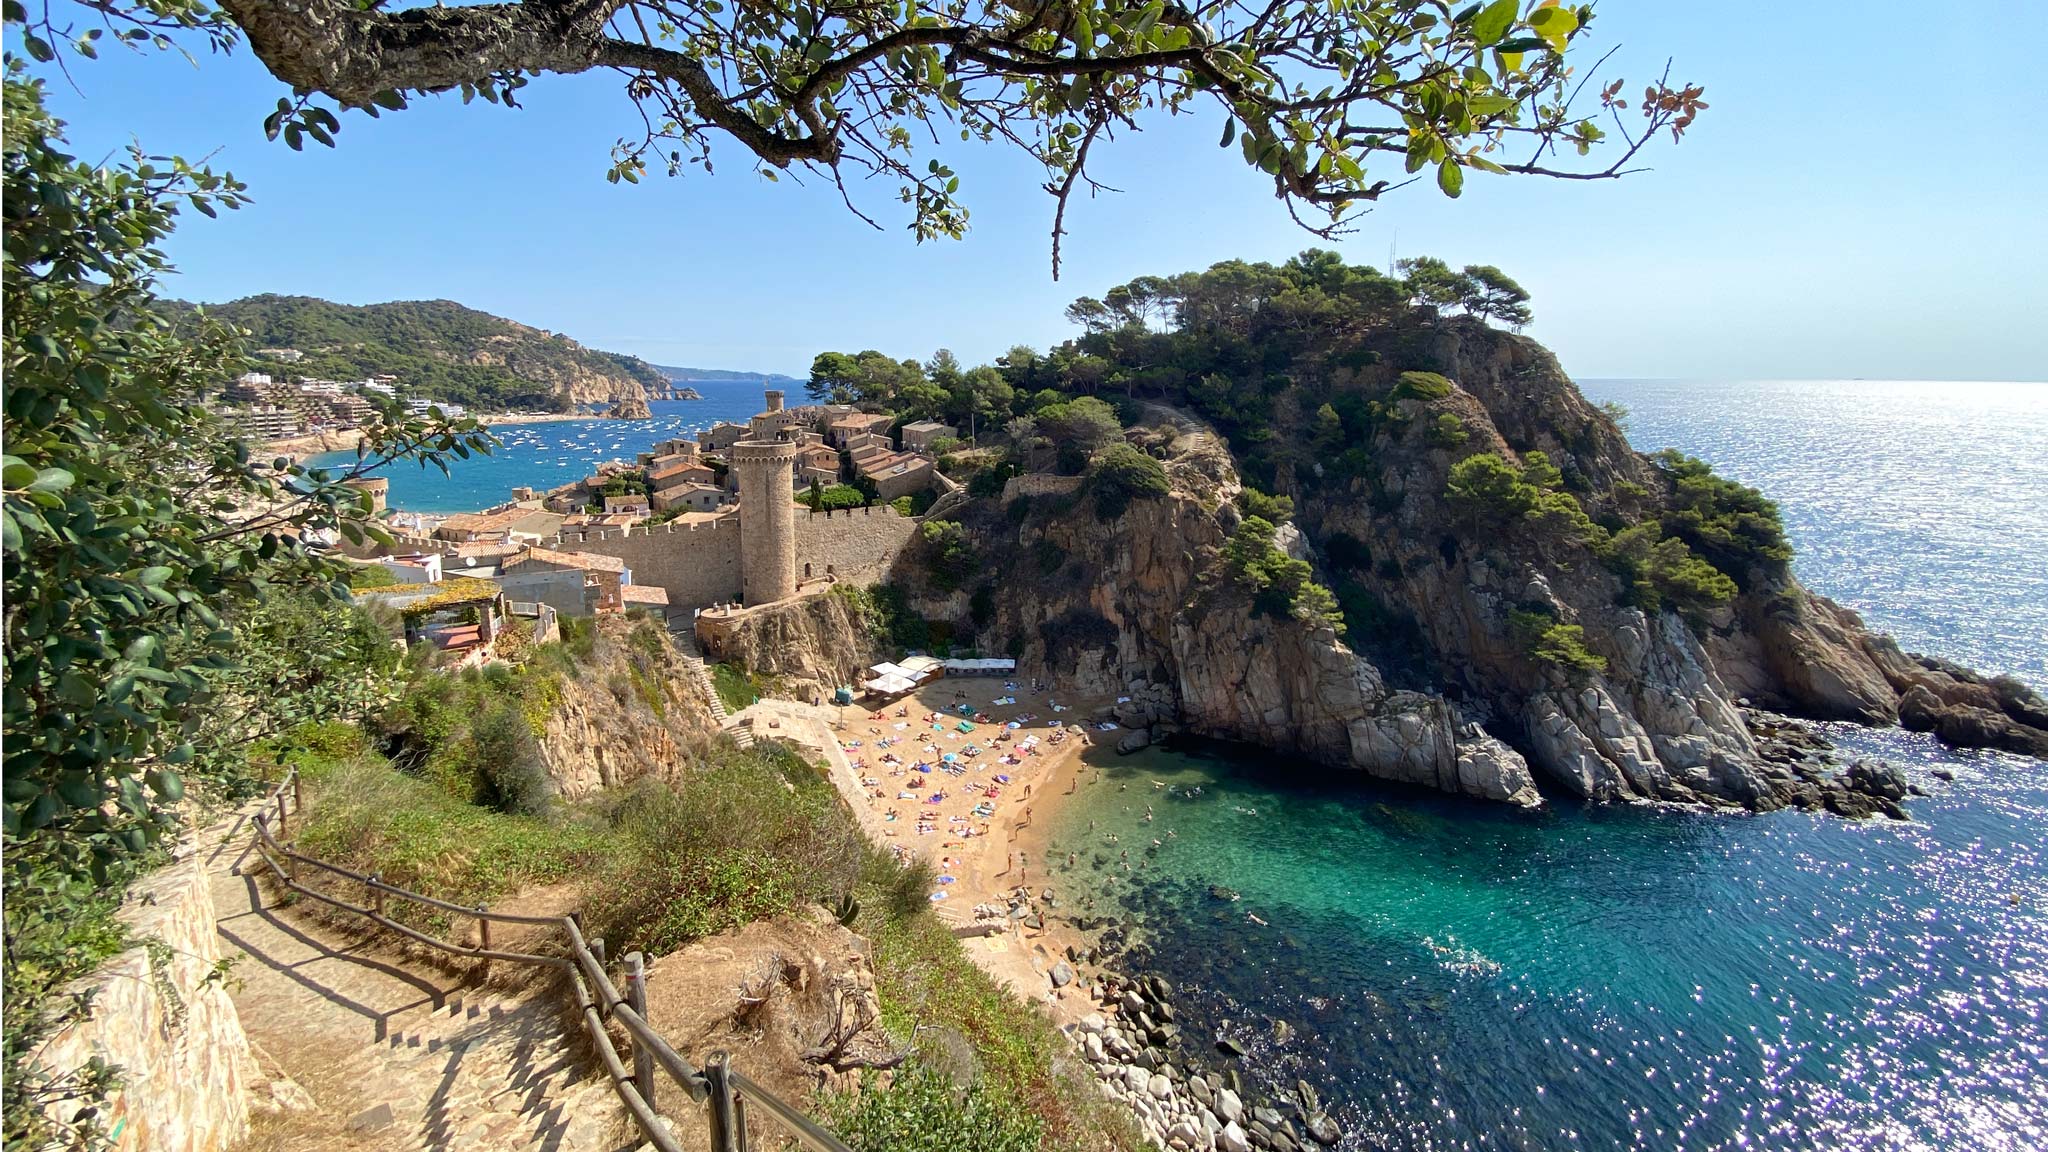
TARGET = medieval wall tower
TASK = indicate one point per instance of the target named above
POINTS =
(767, 471)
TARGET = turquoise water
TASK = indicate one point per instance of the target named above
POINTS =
(1461, 977)
(554, 453)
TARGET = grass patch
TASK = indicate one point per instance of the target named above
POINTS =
(749, 835)
(924, 977)
(918, 1112)
(736, 686)
(366, 815)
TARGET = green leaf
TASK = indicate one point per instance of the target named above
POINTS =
(1450, 177)
(1555, 25)
(1493, 22)
(1229, 133)
(51, 480)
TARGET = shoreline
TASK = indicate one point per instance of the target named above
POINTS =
(1004, 853)
(300, 448)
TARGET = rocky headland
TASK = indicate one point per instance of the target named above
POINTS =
(1566, 615)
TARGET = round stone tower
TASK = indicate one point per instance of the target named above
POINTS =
(767, 470)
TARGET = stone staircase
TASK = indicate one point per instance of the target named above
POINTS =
(686, 647)
(366, 1050)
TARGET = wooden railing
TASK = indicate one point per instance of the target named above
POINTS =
(725, 1090)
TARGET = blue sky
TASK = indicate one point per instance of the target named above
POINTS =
(1862, 199)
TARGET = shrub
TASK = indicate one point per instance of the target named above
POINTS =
(1275, 509)
(918, 1112)
(1544, 638)
(507, 763)
(1734, 526)
(989, 481)
(362, 576)
(1659, 569)
(1420, 386)
(948, 552)
(836, 496)
(727, 845)
(1446, 431)
(1493, 492)
(735, 686)
(1279, 584)
(1120, 474)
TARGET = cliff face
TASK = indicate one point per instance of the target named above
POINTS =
(630, 710)
(1137, 606)
(1486, 649)
(812, 644)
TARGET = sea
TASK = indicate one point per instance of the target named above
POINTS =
(1451, 975)
(555, 452)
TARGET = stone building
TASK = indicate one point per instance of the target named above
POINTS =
(920, 437)
(767, 552)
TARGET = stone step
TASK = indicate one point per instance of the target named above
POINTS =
(395, 1054)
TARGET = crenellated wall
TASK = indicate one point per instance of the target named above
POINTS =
(162, 1014)
(698, 564)
(854, 544)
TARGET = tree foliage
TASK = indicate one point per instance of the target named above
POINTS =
(1336, 105)
(1733, 525)
(1120, 474)
(1279, 584)
(144, 550)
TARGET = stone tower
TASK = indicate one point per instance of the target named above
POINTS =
(767, 470)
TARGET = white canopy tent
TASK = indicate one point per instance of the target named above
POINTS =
(889, 685)
(988, 666)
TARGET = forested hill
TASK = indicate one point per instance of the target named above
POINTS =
(440, 349)
(724, 376)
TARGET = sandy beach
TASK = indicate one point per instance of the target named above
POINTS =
(981, 818)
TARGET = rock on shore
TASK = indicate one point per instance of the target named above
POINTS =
(1138, 1053)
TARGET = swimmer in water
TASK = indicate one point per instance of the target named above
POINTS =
(1254, 918)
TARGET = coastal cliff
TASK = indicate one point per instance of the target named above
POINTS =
(628, 709)
(1522, 596)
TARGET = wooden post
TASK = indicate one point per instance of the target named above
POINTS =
(298, 792)
(597, 950)
(280, 814)
(483, 929)
(376, 897)
(724, 1127)
(643, 1056)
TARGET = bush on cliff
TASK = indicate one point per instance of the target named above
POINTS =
(1733, 525)
(1659, 570)
(1279, 584)
(949, 553)
(1121, 474)
(1273, 509)
(1495, 494)
(1546, 639)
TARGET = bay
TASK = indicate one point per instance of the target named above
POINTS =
(552, 453)
(1461, 977)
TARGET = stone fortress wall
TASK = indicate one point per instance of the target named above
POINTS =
(697, 564)
(700, 564)
(855, 544)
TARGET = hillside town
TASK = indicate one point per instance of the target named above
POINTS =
(262, 408)
(569, 551)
